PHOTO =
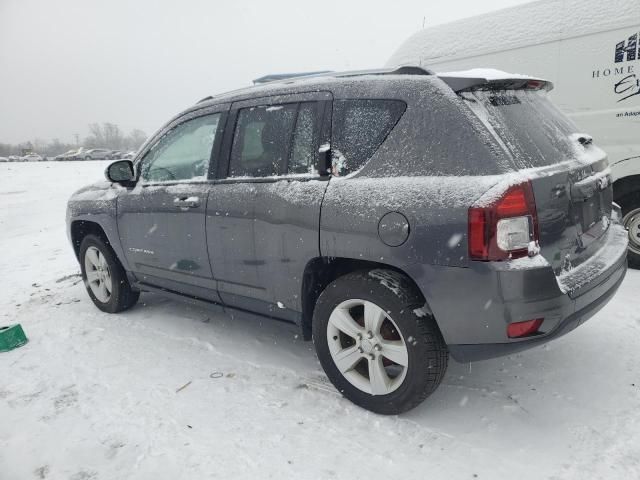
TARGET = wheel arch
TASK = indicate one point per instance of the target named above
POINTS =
(625, 186)
(321, 271)
(80, 229)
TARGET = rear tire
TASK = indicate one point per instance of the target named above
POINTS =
(631, 219)
(381, 311)
(103, 276)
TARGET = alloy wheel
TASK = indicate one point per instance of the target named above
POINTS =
(98, 274)
(367, 347)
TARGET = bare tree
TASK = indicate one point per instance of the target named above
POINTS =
(96, 136)
(112, 136)
(135, 139)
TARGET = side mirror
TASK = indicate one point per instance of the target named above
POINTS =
(120, 172)
(324, 160)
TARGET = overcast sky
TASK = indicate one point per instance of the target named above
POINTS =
(67, 63)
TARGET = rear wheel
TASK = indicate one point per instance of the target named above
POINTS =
(375, 344)
(104, 277)
(631, 220)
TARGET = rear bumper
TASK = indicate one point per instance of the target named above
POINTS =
(473, 306)
(600, 297)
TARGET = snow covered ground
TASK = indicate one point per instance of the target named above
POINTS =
(169, 391)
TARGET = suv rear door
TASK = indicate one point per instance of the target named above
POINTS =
(263, 215)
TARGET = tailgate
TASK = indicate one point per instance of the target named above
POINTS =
(569, 174)
(574, 212)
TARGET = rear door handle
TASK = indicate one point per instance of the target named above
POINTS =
(186, 202)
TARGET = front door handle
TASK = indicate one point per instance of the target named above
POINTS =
(186, 202)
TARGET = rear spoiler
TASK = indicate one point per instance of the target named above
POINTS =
(481, 79)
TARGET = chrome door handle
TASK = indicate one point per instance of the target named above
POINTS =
(186, 202)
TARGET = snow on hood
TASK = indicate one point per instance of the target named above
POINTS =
(101, 190)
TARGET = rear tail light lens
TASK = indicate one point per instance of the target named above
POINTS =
(536, 84)
(524, 329)
(504, 228)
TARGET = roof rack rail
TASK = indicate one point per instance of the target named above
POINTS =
(292, 77)
(403, 70)
(274, 77)
(205, 99)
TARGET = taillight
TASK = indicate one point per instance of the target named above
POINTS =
(504, 228)
(536, 84)
(524, 329)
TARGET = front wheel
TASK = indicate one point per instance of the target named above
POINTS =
(376, 345)
(104, 277)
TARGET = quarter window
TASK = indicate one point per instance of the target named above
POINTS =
(359, 128)
(184, 153)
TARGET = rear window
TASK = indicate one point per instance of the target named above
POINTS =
(359, 127)
(526, 124)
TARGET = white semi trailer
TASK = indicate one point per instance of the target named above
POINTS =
(590, 50)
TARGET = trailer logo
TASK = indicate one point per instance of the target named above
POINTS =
(627, 80)
(628, 49)
(629, 86)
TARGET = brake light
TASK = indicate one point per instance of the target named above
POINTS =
(523, 329)
(536, 84)
(504, 228)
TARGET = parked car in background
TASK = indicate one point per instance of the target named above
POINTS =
(96, 154)
(14, 158)
(79, 154)
(69, 155)
(398, 217)
(32, 157)
(4, 159)
(128, 155)
(115, 155)
(588, 48)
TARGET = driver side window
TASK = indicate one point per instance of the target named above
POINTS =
(183, 153)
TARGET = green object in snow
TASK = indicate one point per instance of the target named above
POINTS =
(12, 336)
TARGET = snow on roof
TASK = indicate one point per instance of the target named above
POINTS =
(528, 24)
(486, 73)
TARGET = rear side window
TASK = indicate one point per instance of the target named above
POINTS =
(527, 125)
(261, 140)
(359, 127)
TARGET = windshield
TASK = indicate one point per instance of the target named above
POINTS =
(526, 124)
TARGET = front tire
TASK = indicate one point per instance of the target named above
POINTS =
(104, 277)
(631, 220)
(375, 344)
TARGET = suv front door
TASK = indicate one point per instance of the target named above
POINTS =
(263, 216)
(161, 221)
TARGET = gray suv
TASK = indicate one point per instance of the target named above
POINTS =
(396, 216)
